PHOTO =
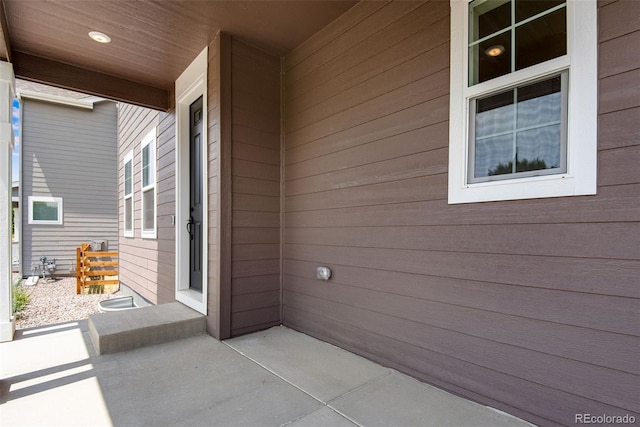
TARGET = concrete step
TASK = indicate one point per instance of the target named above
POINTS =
(128, 329)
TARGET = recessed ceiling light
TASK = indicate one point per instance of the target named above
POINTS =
(99, 37)
(495, 50)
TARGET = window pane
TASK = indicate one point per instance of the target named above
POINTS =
(494, 114)
(490, 59)
(128, 220)
(45, 211)
(488, 17)
(539, 148)
(145, 166)
(528, 8)
(521, 137)
(148, 216)
(542, 39)
(494, 156)
(127, 178)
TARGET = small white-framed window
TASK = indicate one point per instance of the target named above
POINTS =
(128, 194)
(45, 210)
(523, 106)
(148, 184)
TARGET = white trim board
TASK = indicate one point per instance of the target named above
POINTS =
(86, 103)
(189, 87)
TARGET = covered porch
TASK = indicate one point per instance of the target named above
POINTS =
(138, 56)
(270, 378)
(326, 138)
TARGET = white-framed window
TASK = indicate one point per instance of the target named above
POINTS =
(45, 210)
(148, 184)
(128, 194)
(523, 106)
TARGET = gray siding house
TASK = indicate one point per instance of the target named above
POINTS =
(68, 178)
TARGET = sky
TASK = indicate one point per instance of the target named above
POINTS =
(15, 157)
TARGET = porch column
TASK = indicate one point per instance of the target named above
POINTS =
(7, 85)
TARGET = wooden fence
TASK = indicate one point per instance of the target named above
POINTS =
(93, 272)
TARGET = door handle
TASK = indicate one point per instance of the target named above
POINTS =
(190, 227)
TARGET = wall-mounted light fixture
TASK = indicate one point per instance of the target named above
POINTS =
(323, 273)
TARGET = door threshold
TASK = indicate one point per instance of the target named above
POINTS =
(192, 299)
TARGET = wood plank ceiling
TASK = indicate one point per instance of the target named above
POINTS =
(152, 41)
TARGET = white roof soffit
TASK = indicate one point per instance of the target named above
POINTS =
(86, 103)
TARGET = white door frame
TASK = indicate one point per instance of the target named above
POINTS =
(189, 87)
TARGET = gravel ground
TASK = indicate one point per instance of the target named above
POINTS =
(57, 302)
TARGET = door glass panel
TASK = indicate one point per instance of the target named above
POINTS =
(197, 192)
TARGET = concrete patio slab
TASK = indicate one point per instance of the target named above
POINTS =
(44, 372)
(53, 376)
(320, 369)
(196, 381)
(323, 417)
(405, 401)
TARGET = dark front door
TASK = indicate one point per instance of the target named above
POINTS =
(195, 200)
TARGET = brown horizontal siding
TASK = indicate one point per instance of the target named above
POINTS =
(546, 304)
(619, 129)
(616, 240)
(255, 170)
(217, 265)
(395, 146)
(166, 208)
(615, 203)
(256, 284)
(394, 123)
(528, 306)
(403, 74)
(591, 275)
(428, 88)
(336, 28)
(617, 18)
(365, 29)
(557, 372)
(491, 387)
(148, 265)
(361, 65)
(401, 191)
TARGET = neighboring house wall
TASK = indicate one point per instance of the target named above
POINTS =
(255, 282)
(526, 306)
(147, 265)
(70, 153)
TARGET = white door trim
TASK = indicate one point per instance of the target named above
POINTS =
(189, 87)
